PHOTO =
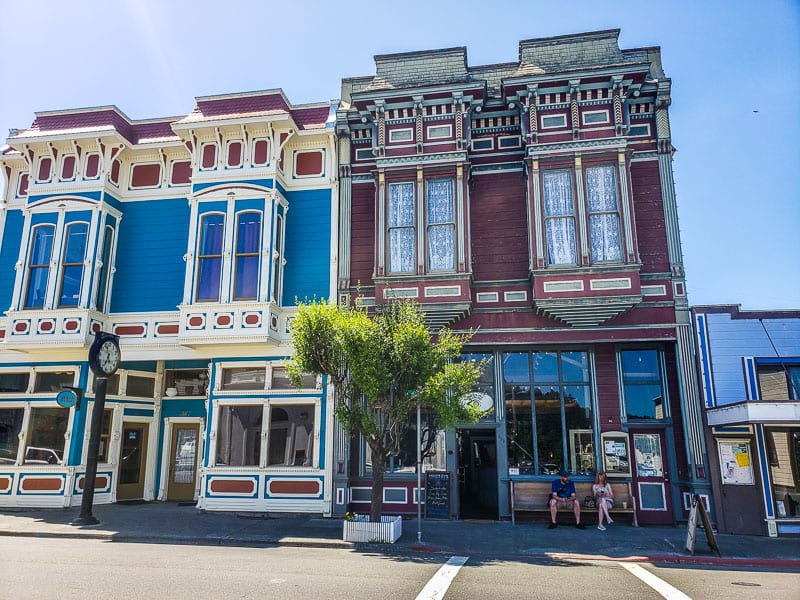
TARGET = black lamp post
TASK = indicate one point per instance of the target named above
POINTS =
(104, 359)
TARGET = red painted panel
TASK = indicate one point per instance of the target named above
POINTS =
(5, 483)
(362, 241)
(294, 487)
(46, 326)
(71, 325)
(498, 212)
(209, 156)
(42, 484)
(44, 169)
(308, 163)
(100, 482)
(68, 167)
(234, 154)
(252, 319)
(196, 321)
(21, 326)
(167, 329)
(223, 320)
(651, 232)
(260, 156)
(115, 167)
(23, 185)
(607, 388)
(181, 172)
(2, 333)
(233, 486)
(146, 175)
(92, 166)
(129, 330)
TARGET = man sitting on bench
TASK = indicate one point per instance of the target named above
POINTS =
(563, 492)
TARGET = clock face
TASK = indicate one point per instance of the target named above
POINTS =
(108, 357)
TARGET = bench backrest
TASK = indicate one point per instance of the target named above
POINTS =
(534, 495)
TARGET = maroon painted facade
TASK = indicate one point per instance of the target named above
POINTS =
(531, 203)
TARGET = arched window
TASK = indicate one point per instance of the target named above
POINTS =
(209, 257)
(39, 265)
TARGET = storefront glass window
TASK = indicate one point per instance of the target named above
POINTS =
(643, 389)
(10, 426)
(46, 436)
(291, 435)
(784, 446)
(239, 435)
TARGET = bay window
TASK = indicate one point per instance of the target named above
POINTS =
(438, 238)
(562, 211)
(290, 441)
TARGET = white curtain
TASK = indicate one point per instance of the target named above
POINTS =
(441, 225)
(604, 233)
(559, 212)
(402, 244)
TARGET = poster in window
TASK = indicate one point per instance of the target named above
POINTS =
(735, 462)
(616, 461)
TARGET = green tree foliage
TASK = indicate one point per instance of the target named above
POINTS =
(380, 367)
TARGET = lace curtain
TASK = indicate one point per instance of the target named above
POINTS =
(604, 233)
(441, 225)
(402, 246)
(559, 212)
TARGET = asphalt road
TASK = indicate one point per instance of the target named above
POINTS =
(45, 568)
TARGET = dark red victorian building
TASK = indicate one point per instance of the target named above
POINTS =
(533, 202)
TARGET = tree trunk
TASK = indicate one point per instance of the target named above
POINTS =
(378, 466)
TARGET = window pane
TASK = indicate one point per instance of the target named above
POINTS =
(291, 435)
(575, 366)
(142, 387)
(14, 382)
(773, 383)
(75, 243)
(53, 382)
(37, 287)
(545, 367)
(246, 278)
(46, 437)
(640, 365)
(401, 205)
(485, 385)
(212, 231)
(105, 436)
(559, 212)
(794, 377)
(441, 225)
(185, 455)
(71, 285)
(441, 248)
(209, 278)
(101, 286)
(578, 416)
(402, 249)
(440, 201)
(644, 402)
(10, 426)
(432, 445)
(601, 188)
(549, 430)
(112, 385)
(244, 378)
(186, 382)
(605, 237)
(41, 251)
(239, 436)
(248, 234)
(647, 449)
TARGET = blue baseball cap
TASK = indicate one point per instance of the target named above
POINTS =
(563, 473)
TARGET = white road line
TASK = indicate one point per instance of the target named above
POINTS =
(436, 588)
(659, 585)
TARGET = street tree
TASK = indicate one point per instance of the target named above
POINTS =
(380, 368)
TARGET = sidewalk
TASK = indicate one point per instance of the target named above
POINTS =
(164, 522)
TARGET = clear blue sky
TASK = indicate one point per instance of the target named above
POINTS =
(735, 68)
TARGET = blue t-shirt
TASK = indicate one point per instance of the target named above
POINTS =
(563, 490)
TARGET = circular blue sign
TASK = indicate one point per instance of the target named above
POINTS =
(67, 398)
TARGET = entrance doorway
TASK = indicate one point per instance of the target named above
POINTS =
(183, 461)
(132, 461)
(651, 478)
(477, 473)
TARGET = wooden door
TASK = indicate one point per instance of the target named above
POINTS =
(183, 461)
(132, 461)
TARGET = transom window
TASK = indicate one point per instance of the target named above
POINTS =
(642, 385)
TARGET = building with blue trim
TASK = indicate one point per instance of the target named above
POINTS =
(749, 369)
(192, 239)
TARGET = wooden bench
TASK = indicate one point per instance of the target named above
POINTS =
(533, 497)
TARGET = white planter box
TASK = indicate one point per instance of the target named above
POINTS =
(388, 531)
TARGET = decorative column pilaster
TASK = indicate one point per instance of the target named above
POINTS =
(345, 210)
